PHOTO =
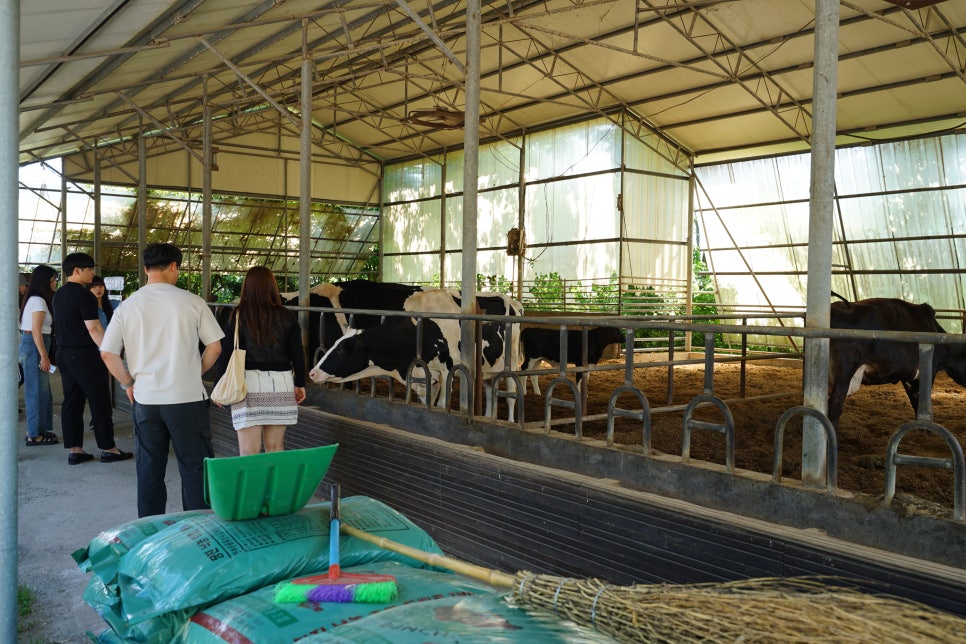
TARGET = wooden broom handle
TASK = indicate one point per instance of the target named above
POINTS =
(488, 575)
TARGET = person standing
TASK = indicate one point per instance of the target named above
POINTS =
(24, 281)
(159, 328)
(274, 364)
(79, 332)
(105, 308)
(35, 329)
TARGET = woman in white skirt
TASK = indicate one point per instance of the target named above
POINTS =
(274, 364)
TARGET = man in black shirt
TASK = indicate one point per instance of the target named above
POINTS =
(78, 330)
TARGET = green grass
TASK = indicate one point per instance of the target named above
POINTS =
(25, 600)
(25, 605)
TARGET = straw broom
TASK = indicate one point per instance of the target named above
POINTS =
(755, 610)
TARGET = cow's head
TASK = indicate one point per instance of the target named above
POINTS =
(347, 357)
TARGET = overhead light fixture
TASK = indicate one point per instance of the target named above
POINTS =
(914, 4)
(438, 118)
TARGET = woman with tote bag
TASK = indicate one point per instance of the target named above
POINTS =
(271, 337)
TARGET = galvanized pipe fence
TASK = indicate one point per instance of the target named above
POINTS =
(629, 325)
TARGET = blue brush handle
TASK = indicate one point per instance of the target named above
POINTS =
(334, 530)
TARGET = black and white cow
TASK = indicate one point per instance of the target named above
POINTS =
(351, 294)
(359, 294)
(386, 349)
(853, 363)
(543, 344)
(389, 347)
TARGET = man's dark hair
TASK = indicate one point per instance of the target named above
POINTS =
(160, 254)
(76, 260)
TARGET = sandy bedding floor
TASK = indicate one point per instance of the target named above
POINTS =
(870, 417)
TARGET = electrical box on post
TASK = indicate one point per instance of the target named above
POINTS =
(515, 242)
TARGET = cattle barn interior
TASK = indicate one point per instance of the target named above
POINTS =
(701, 175)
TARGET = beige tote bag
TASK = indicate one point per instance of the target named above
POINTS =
(231, 387)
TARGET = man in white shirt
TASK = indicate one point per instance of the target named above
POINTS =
(159, 328)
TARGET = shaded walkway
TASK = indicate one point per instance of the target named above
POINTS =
(61, 508)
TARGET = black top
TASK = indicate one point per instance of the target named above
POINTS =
(73, 305)
(284, 353)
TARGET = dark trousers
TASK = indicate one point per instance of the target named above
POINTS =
(85, 380)
(156, 428)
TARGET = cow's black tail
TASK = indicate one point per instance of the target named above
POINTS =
(834, 294)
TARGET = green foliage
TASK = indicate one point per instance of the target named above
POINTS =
(548, 290)
(25, 606)
(370, 270)
(647, 301)
(703, 300)
(602, 298)
(494, 284)
(25, 600)
(488, 283)
(225, 288)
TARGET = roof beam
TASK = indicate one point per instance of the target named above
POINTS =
(800, 125)
(170, 17)
(255, 86)
(100, 155)
(162, 128)
(955, 39)
(432, 35)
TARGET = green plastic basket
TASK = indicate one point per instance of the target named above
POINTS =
(244, 487)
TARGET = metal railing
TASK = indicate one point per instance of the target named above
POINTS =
(577, 400)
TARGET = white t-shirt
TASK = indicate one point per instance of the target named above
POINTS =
(35, 304)
(159, 328)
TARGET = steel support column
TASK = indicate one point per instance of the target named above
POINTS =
(9, 435)
(471, 151)
(820, 236)
(206, 167)
(522, 215)
(305, 190)
(63, 220)
(142, 203)
(97, 216)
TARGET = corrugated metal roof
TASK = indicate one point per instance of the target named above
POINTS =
(714, 76)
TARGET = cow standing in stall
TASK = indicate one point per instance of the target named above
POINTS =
(358, 294)
(351, 294)
(543, 344)
(390, 347)
(853, 363)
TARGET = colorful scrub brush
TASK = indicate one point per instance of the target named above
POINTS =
(337, 586)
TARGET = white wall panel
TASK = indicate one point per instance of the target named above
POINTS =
(239, 173)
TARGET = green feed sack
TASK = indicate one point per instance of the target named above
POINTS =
(255, 617)
(458, 620)
(204, 560)
(105, 550)
(106, 637)
(106, 602)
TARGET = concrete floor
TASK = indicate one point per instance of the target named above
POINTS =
(61, 508)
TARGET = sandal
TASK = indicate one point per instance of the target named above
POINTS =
(44, 439)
